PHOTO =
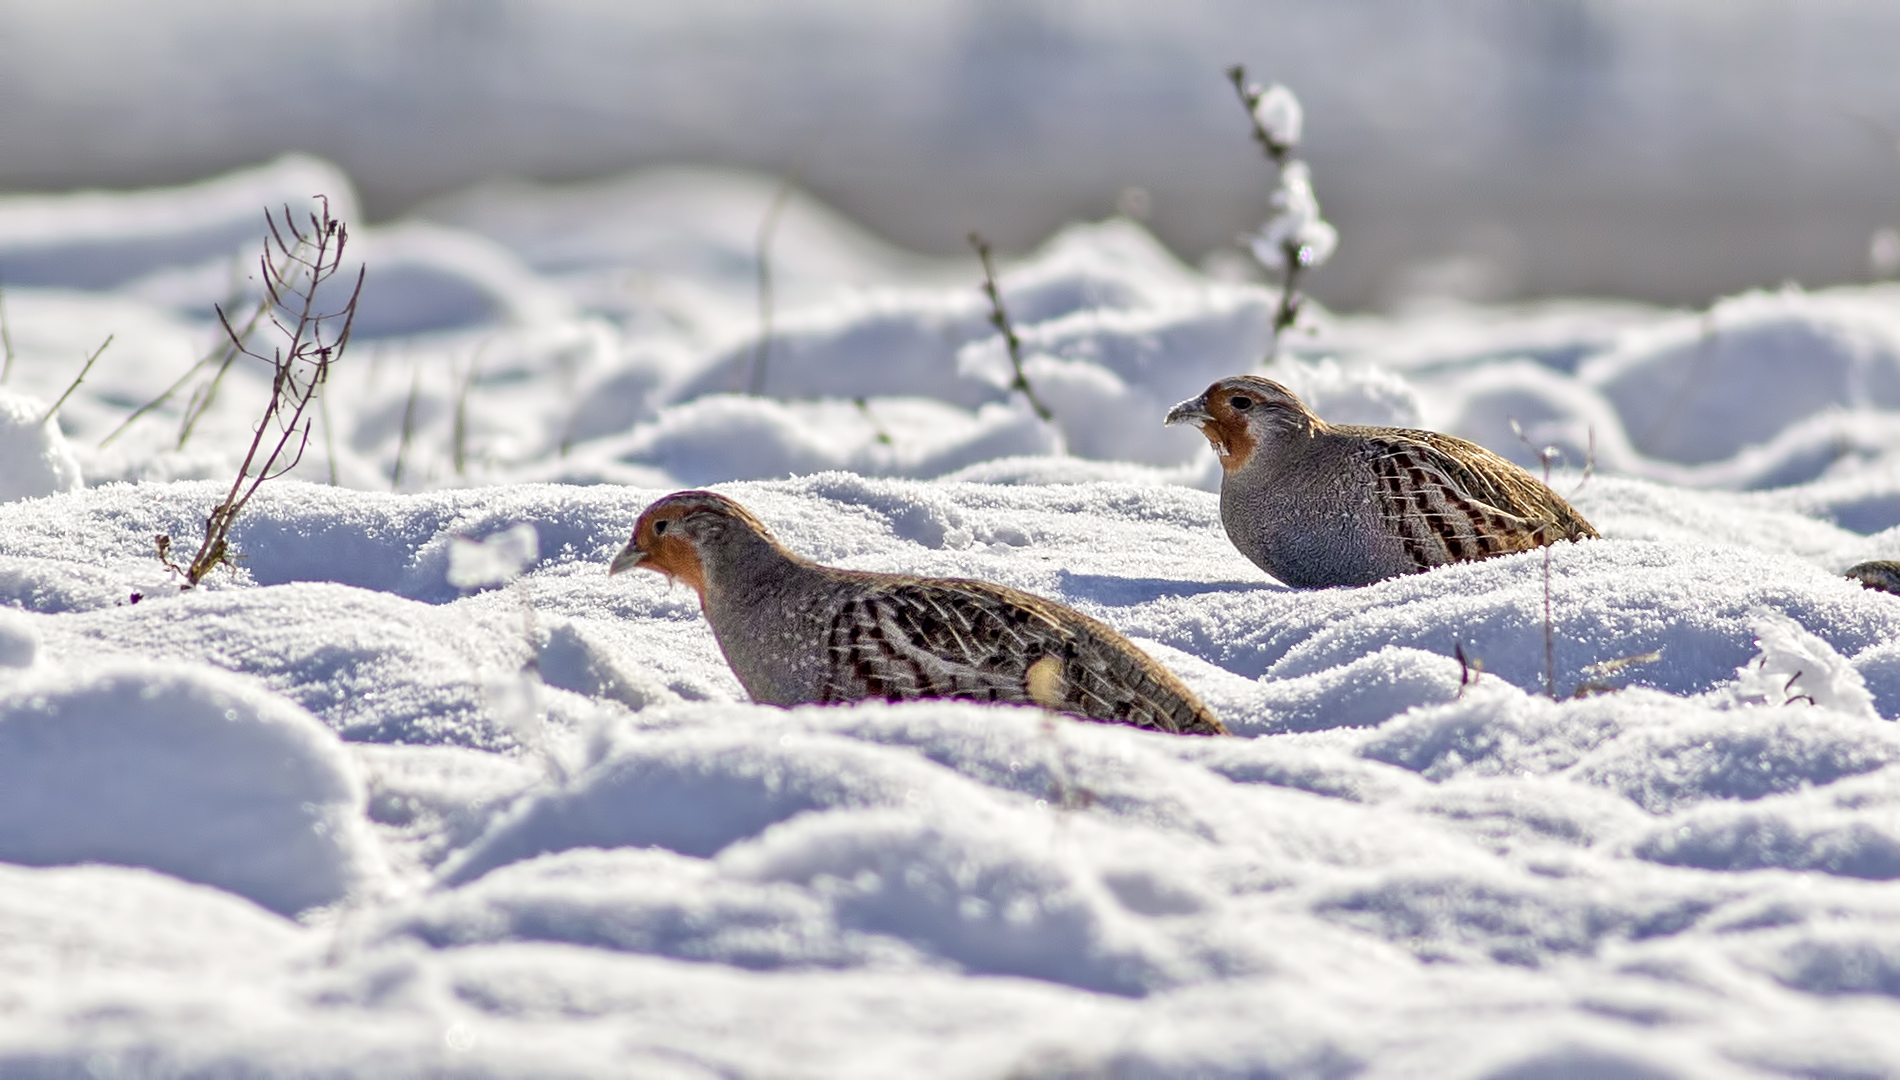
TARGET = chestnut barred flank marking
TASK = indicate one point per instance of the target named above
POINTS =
(1448, 500)
(902, 640)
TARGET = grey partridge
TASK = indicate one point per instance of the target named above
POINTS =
(796, 632)
(1318, 504)
(1881, 574)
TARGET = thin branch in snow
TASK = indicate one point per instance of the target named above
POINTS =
(999, 318)
(768, 232)
(6, 336)
(81, 377)
(312, 340)
(408, 428)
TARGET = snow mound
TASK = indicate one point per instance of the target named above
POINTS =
(195, 774)
(19, 641)
(1617, 807)
(34, 457)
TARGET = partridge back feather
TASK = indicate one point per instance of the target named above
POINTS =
(904, 639)
(1448, 500)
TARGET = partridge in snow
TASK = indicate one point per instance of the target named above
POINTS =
(1881, 574)
(1318, 504)
(797, 632)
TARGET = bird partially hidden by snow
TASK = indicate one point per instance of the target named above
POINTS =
(1881, 574)
(796, 632)
(1318, 504)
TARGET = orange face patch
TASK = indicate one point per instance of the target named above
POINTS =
(669, 553)
(1227, 430)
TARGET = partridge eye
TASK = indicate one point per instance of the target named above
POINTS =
(659, 527)
(1241, 403)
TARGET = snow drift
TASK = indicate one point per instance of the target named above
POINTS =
(360, 806)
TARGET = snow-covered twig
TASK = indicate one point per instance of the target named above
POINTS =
(1295, 238)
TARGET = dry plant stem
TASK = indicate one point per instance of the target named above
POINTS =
(768, 229)
(202, 397)
(329, 433)
(459, 436)
(1550, 640)
(90, 360)
(6, 336)
(864, 407)
(408, 428)
(300, 365)
(999, 318)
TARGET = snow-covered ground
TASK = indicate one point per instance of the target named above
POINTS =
(331, 814)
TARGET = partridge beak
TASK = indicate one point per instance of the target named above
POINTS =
(629, 557)
(1192, 411)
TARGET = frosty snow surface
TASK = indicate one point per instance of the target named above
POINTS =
(333, 814)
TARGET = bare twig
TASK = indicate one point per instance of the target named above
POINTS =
(999, 318)
(329, 432)
(201, 397)
(768, 229)
(459, 433)
(1545, 455)
(865, 408)
(1470, 668)
(408, 428)
(311, 341)
(54, 410)
(6, 335)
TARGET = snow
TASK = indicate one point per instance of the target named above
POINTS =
(1278, 113)
(39, 462)
(415, 788)
(1295, 228)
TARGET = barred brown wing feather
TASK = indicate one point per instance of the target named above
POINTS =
(979, 642)
(914, 641)
(1457, 501)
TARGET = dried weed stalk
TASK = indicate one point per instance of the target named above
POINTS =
(53, 410)
(999, 318)
(6, 336)
(297, 261)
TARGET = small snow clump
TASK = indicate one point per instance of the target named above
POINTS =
(1795, 666)
(494, 560)
(1278, 113)
(34, 457)
(1295, 232)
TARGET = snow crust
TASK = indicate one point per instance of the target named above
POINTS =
(415, 788)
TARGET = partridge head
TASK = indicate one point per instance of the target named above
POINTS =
(796, 632)
(1318, 504)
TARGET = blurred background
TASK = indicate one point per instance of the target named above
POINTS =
(1667, 150)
